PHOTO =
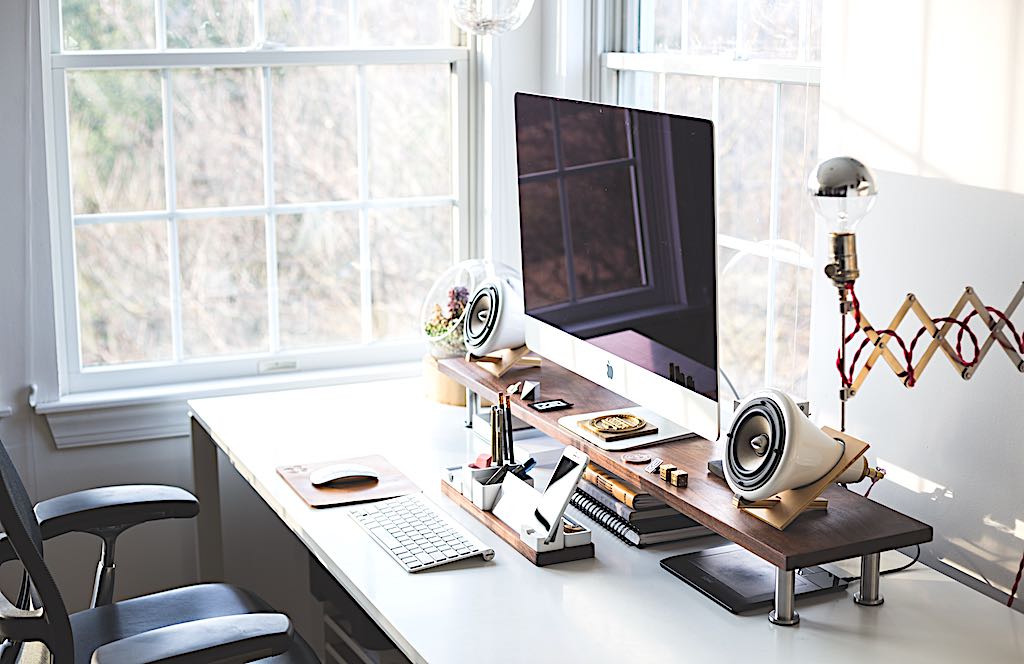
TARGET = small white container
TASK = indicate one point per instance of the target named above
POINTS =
(576, 539)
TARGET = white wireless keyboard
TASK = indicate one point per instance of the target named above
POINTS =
(417, 533)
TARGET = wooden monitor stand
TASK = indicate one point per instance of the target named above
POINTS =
(852, 526)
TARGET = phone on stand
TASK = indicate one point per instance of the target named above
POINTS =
(559, 490)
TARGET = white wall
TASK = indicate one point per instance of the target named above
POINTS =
(929, 93)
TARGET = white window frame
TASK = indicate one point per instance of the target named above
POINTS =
(72, 377)
(633, 70)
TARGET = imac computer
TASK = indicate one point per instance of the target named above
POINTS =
(617, 222)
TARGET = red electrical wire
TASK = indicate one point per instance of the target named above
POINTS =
(1016, 582)
(908, 351)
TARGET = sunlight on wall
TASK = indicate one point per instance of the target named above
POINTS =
(929, 87)
(911, 481)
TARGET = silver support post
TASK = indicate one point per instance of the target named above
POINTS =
(472, 405)
(103, 584)
(868, 594)
(785, 584)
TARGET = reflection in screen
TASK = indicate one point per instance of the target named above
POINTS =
(618, 232)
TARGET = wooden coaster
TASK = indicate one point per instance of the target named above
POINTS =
(618, 426)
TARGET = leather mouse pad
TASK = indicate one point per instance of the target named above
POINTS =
(392, 483)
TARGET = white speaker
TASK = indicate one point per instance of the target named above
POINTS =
(495, 318)
(772, 447)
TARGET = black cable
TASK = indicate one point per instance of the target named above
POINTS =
(917, 556)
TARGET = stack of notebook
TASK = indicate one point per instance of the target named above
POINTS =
(634, 517)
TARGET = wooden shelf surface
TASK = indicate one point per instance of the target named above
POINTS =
(851, 526)
(511, 537)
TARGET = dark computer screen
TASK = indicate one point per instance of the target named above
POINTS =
(617, 220)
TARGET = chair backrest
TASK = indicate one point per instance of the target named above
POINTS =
(18, 521)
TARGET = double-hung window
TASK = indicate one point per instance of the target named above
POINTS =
(752, 67)
(242, 186)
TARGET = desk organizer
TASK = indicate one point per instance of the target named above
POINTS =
(464, 486)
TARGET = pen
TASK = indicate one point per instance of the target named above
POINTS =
(508, 429)
(500, 432)
(494, 433)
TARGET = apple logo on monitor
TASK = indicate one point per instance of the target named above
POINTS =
(610, 371)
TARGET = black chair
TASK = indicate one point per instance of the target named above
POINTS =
(191, 625)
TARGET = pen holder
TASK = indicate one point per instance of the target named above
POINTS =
(483, 495)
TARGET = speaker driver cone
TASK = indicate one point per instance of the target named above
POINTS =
(757, 439)
(483, 316)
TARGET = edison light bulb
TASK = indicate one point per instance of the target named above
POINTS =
(490, 17)
(842, 190)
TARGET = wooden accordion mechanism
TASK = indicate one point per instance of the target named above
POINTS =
(997, 322)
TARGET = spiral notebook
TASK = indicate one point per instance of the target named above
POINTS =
(629, 533)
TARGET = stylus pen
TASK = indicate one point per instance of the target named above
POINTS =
(508, 429)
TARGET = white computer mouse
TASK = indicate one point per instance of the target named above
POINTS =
(343, 473)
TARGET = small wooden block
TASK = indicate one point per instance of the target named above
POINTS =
(678, 478)
(665, 469)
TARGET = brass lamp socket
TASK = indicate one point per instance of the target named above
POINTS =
(843, 267)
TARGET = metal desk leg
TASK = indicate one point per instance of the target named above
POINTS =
(472, 405)
(783, 613)
(209, 547)
(868, 594)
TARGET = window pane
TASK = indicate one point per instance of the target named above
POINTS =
(688, 95)
(318, 278)
(744, 143)
(108, 24)
(358, 23)
(218, 144)
(209, 24)
(771, 28)
(799, 155)
(409, 249)
(668, 23)
(742, 317)
(223, 286)
(115, 126)
(589, 134)
(123, 292)
(402, 23)
(308, 22)
(712, 26)
(604, 259)
(314, 124)
(410, 134)
(550, 283)
(792, 327)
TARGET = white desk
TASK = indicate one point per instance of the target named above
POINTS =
(619, 606)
